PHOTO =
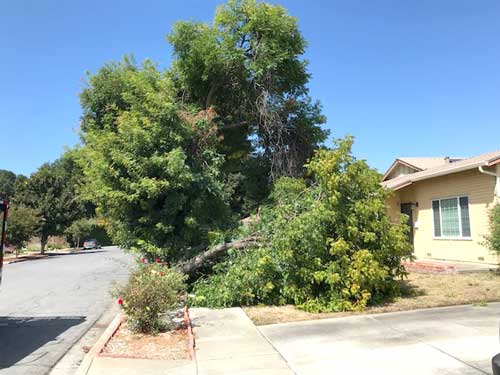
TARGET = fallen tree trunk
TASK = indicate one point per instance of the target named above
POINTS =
(194, 264)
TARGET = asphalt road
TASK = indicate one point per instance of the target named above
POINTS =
(46, 305)
(457, 340)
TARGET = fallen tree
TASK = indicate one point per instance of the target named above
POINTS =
(194, 264)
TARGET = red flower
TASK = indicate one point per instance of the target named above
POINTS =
(120, 301)
(162, 274)
(158, 260)
(143, 260)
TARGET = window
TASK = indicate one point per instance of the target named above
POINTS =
(451, 217)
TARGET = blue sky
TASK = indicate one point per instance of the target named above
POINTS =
(406, 78)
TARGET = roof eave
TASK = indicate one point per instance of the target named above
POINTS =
(395, 163)
(493, 161)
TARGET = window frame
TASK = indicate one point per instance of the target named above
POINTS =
(457, 238)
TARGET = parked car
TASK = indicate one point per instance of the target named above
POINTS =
(91, 244)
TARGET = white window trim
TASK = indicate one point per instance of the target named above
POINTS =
(452, 238)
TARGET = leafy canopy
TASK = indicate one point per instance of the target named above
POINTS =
(151, 164)
(171, 158)
(53, 191)
(24, 223)
(247, 65)
(329, 244)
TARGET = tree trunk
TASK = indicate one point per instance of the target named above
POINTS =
(194, 264)
(43, 242)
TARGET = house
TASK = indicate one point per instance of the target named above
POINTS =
(448, 202)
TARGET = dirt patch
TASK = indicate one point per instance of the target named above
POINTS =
(419, 291)
(171, 345)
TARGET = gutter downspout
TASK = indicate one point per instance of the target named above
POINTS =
(497, 176)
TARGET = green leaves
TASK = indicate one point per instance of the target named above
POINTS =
(24, 222)
(54, 192)
(152, 168)
(329, 246)
(493, 238)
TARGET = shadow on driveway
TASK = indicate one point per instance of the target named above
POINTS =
(21, 336)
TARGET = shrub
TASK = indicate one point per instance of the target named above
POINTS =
(151, 292)
(493, 239)
(329, 243)
(57, 243)
(24, 222)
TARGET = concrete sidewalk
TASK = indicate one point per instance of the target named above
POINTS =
(227, 342)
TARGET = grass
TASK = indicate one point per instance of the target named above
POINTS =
(420, 291)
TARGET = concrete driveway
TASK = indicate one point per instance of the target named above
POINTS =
(451, 340)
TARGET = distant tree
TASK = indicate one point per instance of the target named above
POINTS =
(80, 229)
(24, 224)
(53, 191)
(7, 183)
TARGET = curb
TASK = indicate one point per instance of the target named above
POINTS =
(99, 345)
(24, 259)
(187, 319)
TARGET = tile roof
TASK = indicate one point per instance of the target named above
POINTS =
(488, 159)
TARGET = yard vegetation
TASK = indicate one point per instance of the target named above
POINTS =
(176, 159)
(419, 291)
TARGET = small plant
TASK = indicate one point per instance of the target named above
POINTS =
(493, 239)
(151, 292)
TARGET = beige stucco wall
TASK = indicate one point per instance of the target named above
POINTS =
(480, 190)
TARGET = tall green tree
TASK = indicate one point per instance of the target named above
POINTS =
(248, 67)
(151, 164)
(167, 154)
(7, 183)
(53, 191)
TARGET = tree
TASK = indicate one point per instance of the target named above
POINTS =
(81, 228)
(24, 224)
(7, 183)
(53, 191)
(247, 68)
(151, 164)
(173, 158)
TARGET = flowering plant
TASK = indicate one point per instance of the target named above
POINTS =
(151, 292)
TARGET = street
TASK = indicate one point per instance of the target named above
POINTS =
(47, 305)
(451, 340)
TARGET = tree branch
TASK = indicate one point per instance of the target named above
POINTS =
(194, 264)
(210, 96)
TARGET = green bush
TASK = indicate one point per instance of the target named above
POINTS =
(329, 244)
(151, 292)
(493, 239)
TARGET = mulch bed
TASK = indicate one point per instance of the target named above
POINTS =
(173, 345)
